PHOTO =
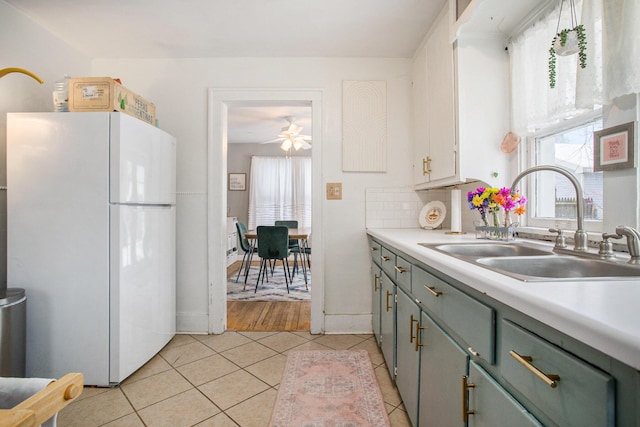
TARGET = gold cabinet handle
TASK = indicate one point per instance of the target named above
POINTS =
(426, 165)
(375, 282)
(388, 295)
(418, 329)
(384, 258)
(433, 291)
(373, 248)
(549, 379)
(466, 385)
(417, 335)
(411, 322)
(400, 269)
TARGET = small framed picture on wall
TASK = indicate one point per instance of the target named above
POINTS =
(613, 148)
(237, 181)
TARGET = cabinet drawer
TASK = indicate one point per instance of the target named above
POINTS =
(583, 395)
(471, 320)
(375, 249)
(388, 262)
(403, 273)
(428, 289)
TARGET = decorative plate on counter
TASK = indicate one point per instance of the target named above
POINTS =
(432, 215)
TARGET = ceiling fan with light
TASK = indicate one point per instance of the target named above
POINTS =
(291, 138)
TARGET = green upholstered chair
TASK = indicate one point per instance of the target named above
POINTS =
(273, 245)
(294, 245)
(305, 257)
(248, 249)
(289, 224)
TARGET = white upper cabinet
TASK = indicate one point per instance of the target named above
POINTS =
(435, 144)
(461, 94)
(483, 108)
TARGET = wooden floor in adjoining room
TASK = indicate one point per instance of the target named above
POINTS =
(266, 315)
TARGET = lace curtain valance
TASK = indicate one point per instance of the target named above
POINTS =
(613, 64)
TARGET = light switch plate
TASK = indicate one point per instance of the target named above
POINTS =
(334, 191)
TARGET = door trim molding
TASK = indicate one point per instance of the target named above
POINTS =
(219, 99)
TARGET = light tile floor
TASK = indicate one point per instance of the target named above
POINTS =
(215, 380)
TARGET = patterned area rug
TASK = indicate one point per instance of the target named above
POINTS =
(273, 290)
(329, 389)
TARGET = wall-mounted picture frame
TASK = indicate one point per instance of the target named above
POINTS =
(237, 181)
(613, 148)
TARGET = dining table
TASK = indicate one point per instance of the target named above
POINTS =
(302, 235)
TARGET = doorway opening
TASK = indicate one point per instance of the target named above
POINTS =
(220, 102)
(269, 149)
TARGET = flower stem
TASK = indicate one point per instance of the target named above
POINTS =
(496, 220)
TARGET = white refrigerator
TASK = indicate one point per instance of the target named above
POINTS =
(91, 238)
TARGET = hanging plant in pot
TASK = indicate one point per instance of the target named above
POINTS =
(568, 41)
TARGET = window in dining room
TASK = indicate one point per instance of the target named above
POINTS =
(279, 189)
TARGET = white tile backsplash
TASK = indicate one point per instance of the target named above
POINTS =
(397, 207)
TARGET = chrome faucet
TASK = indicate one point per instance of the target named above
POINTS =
(633, 241)
(580, 237)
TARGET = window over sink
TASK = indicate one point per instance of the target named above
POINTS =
(552, 198)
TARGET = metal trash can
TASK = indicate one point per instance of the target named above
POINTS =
(13, 332)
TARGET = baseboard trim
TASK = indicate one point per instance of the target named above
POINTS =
(348, 324)
(192, 323)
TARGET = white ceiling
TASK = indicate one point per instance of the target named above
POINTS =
(236, 28)
(239, 28)
(253, 123)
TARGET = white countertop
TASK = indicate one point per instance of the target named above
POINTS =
(604, 315)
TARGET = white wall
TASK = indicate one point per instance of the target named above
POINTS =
(27, 45)
(179, 90)
(621, 187)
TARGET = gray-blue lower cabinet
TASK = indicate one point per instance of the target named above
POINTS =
(376, 276)
(479, 356)
(387, 321)
(426, 362)
(487, 404)
(472, 321)
(443, 364)
(568, 390)
(408, 352)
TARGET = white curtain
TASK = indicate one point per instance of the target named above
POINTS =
(613, 63)
(621, 47)
(536, 105)
(589, 85)
(280, 189)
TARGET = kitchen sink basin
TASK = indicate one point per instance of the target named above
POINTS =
(558, 267)
(532, 262)
(482, 250)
